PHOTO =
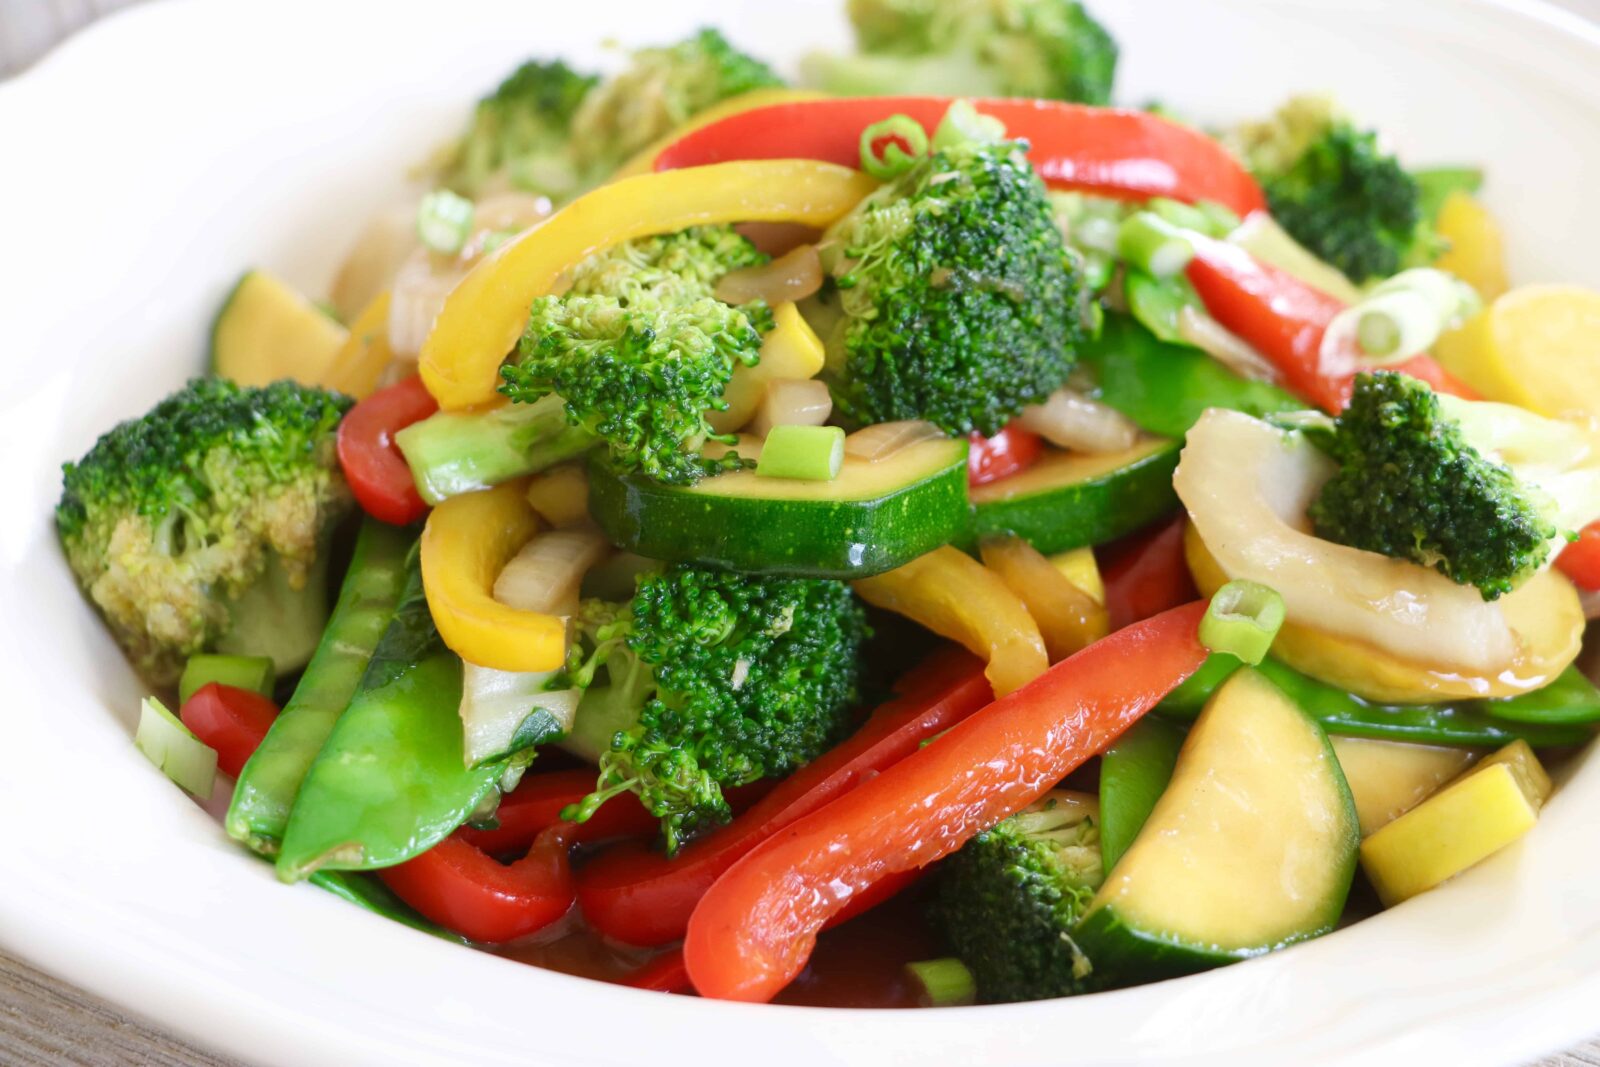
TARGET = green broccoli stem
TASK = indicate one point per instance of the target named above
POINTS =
(455, 452)
(609, 709)
(274, 619)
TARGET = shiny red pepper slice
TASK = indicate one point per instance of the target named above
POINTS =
(372, 463)
(463, 888)
(1146, 573)
(1008, 452)
(233, 721)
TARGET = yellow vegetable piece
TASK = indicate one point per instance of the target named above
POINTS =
(1069, 619)
(485, 313)
(467, 541)
(1537, 346)
(955, 596)
(791, 349)
(1477, 253)
(645, 160)
(1543, 614)
(360, 363)
(1389, 778)
(1469, 820)
(1079, 567)
(560, 495)
(267, 330)
(374, 259)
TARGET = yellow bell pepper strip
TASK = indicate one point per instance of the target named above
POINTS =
(644, 162)
(1068, 618)
(485, 314)
(791, 349)
(360, 361)
(467, 541)
(955, 596)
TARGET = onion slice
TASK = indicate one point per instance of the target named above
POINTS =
(792, 402)
(546, 573)
(794, 275)
(879, 442)
(1068, 419)
(1197, 328)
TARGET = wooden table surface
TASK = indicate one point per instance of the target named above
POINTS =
(44, 1021)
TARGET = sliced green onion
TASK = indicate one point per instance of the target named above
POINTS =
(1242, 620)
(444, 222)
(1404, 315)
(1184, 216)
(1150, 243)
(254, 673)
(1098, 267)
(890, 160)
(804, 453)
(1222, 220)
(943, 983)
(179, 754)
(964, 124)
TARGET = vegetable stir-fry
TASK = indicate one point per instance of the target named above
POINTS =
(739, 514)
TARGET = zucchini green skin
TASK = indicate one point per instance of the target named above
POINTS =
(1082, 512)
(792, 537)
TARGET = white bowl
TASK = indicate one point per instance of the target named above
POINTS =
(158, 154)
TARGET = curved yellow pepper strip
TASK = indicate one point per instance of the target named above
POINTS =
(646, 158)
(467, 541)
(485, 314)
(359, 363)
(955, 596)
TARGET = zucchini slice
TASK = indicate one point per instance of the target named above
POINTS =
(873, 517)
(1251, 847)
(266, 331)
(1068, 500)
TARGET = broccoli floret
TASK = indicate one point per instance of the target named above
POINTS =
(1007, 902)
(1336, 191)
(520, 132)
(1411, 485)
(710, 680)
(660, 90)
(202, 526)
(956, 299)
(1037, 48)
(640, 349)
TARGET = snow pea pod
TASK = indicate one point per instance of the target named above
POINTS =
(365, 891)
(391, 781)
(1165, 387)
(1134, 773)
(266, 788)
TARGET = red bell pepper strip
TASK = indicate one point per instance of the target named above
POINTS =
(463, 888)
(664, 974)
(1285, 319)
(537, 803)
(1008, 452)
(1580, 560)
(1128, 154)
(1146, 573)
(641, 897)
(372, 463)
(754, 930)
(232, 721)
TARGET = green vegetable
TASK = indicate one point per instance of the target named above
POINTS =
(444, 221)
(1133, 774)
(365, 891)
(1037, 48)
(640, 350)
(520, 131)
(1149, 243)
(889, 160)
(944, 983)
(175, 751)
(1009, 900)
(391, 780)
(873, 517)
(1242, 620)
(1403, 316)
(455, 452)
(504, 713)
(932, 321)
(1164, 387)
(710, 680)
(1336, 190)
(1437, 183)
(270, 780)
(202, 526)
(1158, 303)
(254, 673)
(803, 453)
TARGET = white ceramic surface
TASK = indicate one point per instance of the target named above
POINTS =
(148, 161)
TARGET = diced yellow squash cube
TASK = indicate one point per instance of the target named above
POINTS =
(266, 331)
(1389, 778)
(560, 495)
(1079, 567)
(791, 349)
(1466, 822)
(1537, 346)
(1477, 253)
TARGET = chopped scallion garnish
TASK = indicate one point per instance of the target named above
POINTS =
(944, 983)
(179, 754)
(805, 453)
(1242, 620)
(893, 146)
(1152, 244)
(254, 673)
(444, 222)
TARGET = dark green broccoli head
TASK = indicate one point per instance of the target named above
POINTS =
(219, 497)
(1007, 902)
(958, 300)
(660, 90)
(641, 350)
(1336, 191)
(1409, 485)
(1036, 48)
(520, 131)
(711, 680)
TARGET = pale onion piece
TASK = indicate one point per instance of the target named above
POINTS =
(374, 260)
(1247, 486)
(1223, 345)
(421, 287)
(792, 402)
(1068, 419)
(501, 216)
(794, 275)
(874, 443)
(495, 704)
(545, 574)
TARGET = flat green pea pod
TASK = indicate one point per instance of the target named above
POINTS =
(1134, 772)
(1165, 387)
(366, 892)
(1552, 717)
(266, 789)
(391, 781)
